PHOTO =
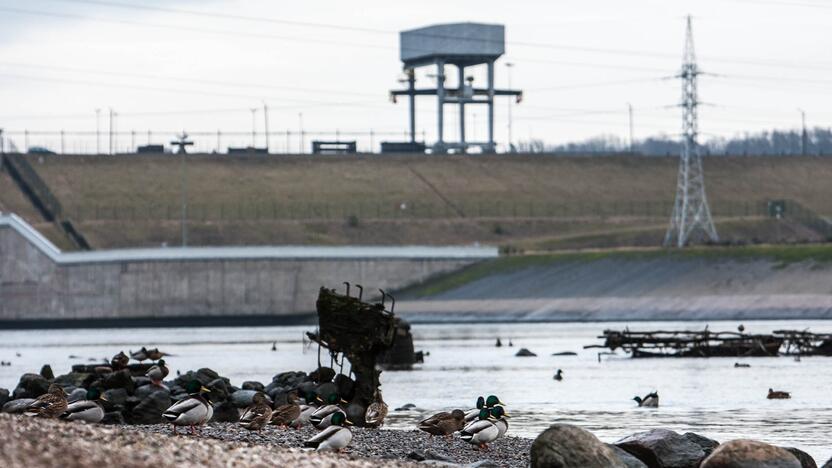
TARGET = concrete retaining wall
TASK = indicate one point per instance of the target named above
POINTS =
(38, 282)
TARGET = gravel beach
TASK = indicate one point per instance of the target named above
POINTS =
(29, 442)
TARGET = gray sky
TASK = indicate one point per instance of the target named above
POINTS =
(579, 64)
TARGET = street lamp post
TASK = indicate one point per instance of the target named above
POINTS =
(509, 65)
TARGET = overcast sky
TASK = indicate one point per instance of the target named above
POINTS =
(168, 65)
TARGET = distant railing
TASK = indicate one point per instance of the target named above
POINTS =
(261, 210)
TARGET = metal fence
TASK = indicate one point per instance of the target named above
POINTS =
(255, 211)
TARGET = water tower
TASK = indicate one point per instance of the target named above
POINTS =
(462, 45)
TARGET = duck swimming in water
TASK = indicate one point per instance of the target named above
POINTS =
(651, 400)
(558, 375)
(778, 395)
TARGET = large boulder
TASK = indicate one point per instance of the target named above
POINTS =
(743, 453)
(31, 386)
(5, 396)
(828, 464)
(806, 460)
(17, 406)
(663, 448)
(76, 395)
(253, 385)
(567, 446)
(708, 445)
(121, 379)
(290, 379)
(219, 390)
(150, 409)
(116, 396)
(226, 412)
(73, 379)
(242, 398)
(629, 460)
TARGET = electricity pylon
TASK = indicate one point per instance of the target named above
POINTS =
(691, 219)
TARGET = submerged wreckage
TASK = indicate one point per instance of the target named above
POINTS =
(705, 343)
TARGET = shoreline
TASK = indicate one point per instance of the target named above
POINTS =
(31, 442)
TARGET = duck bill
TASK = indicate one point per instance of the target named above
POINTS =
(348, 422)
(204, 390)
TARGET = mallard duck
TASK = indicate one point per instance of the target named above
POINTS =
(376, 412)
(444, 423)
(741, 364)
(294, 413)
(49, 405)
(258, 414)
(157, 373)
(334, 437)
(89, 410)
(321, 418)
(651, 400)
(559, 375)
(155, 355)
(778, 395)
(472, 414)
(119, 361)
(140, 355)
(192, 411)
(482, 431)
(501, 415)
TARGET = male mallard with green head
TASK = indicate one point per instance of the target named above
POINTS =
(500, 415)
(335, 437)
(376, 412)
(89, 410)
(322, 417)
(444, 423)
(473, 414)
(49, 405)
(192, 411)
(651, 400)
(482, 431)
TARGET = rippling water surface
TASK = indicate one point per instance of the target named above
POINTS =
(707, 396)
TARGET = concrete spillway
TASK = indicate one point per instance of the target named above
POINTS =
(651, 288)
(38, 282)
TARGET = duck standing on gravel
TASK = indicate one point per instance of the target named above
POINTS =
(293, 413)
(500, 415)
(157, 373)
(192, 411)
(49, 405)
(335, 437)
(89, 410)
(322, 417)
(444, 423)
(258, 414)
(376, 412)
(482, 431)
(651, 400)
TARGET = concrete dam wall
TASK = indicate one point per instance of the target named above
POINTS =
(38, 282)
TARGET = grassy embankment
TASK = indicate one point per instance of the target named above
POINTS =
(531, 203)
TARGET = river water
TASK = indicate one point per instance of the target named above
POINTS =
(707, 396)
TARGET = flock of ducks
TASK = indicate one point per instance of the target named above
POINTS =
(479, 426)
